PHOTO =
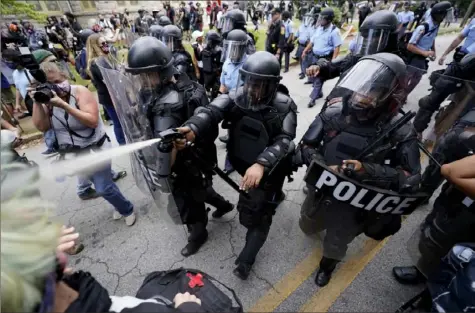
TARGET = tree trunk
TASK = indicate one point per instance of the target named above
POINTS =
(468, 14)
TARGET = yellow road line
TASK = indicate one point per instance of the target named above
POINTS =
(289, 283)
(343, 277)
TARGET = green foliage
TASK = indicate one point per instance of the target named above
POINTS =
(20, 10)
(337, 19)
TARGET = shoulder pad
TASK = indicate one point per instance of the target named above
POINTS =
(405, 132)
(181, 57)
(283, 103)
(333, 110)
(170, 99)
(221, 101)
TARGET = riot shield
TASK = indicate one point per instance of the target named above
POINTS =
(125, 92)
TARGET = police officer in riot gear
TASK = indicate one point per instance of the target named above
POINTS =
(164, 21)
(235, 19)
(378, 33)
(212, 64)
(172, 37)
(170, 100)
(374, 92)
(449, 221)
(156, 31)
(457, 79)
(262, 123)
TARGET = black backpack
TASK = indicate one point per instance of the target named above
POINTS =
(165, 285)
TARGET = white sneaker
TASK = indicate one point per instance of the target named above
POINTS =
(130, 220)
(116, 215)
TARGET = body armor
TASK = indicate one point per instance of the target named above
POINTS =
(210, 59)
(183, 63)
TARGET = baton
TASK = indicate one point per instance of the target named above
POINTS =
(427, 152)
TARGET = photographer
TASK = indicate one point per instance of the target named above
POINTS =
(73, 114)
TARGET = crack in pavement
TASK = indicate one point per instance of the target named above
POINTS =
(107, 270)
(175, 262)
(264, 280)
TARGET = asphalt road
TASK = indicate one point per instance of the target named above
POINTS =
(282, 279)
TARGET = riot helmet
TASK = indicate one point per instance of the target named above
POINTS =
(212, 39)
(234, 19)
(309, 19)
(374, 82)
(260, 75)
(152, 62)
(172, 37)
(164, 21)
(156, 31)
(440, 10)
(234, 46)
(378, 33)
(326, 16)
(84, 34)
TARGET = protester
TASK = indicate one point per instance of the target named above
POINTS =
(34, 273)
(198, 47)
(73, 115)
(97, 47)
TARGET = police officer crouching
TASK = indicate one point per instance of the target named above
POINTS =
(325, 43)
(172, 37)
(375, 91)
(262, 123)
(378, 33)
(211, 58)
(172, 100)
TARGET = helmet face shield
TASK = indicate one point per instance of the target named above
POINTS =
(233, 50)
(308, 20)
(227, 24)
(371, 41)
(171, 42)
(370, 84)
(258, 91)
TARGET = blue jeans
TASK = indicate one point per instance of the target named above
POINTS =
(118, 131)
(105, 186)
(317, 89)
(84, 183)
(50, 138)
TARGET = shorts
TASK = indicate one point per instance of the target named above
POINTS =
(7, 95)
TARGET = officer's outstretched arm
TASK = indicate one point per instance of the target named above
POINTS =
(281, 143)
(462, 174)
(311, 141)
(204, 123)
(402, 177)
(445, 85)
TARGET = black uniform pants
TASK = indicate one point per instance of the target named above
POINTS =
(256, 215)
(449, 225)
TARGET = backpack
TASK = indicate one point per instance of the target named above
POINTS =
(81, 64)
(214, 295)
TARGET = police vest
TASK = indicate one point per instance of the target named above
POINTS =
(209, 60)
(274, 36)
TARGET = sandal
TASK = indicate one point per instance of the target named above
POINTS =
(119, 175)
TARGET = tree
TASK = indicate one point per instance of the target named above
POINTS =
(20, 10)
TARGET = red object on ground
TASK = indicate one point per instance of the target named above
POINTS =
(196, 280)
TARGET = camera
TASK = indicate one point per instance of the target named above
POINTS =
(43, 93)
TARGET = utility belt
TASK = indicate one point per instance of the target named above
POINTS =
(64, 149)
(326, 56)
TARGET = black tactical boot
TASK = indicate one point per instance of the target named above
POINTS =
(327, 266)
(242, 270)
(221, 211)
(408, 275)
(197, 238)
(311, 104)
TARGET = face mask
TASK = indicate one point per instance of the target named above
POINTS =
(105, 47)
(62, 88)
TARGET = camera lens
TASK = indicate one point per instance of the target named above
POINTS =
(43, 96)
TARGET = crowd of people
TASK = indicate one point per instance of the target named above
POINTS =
(361, 153)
